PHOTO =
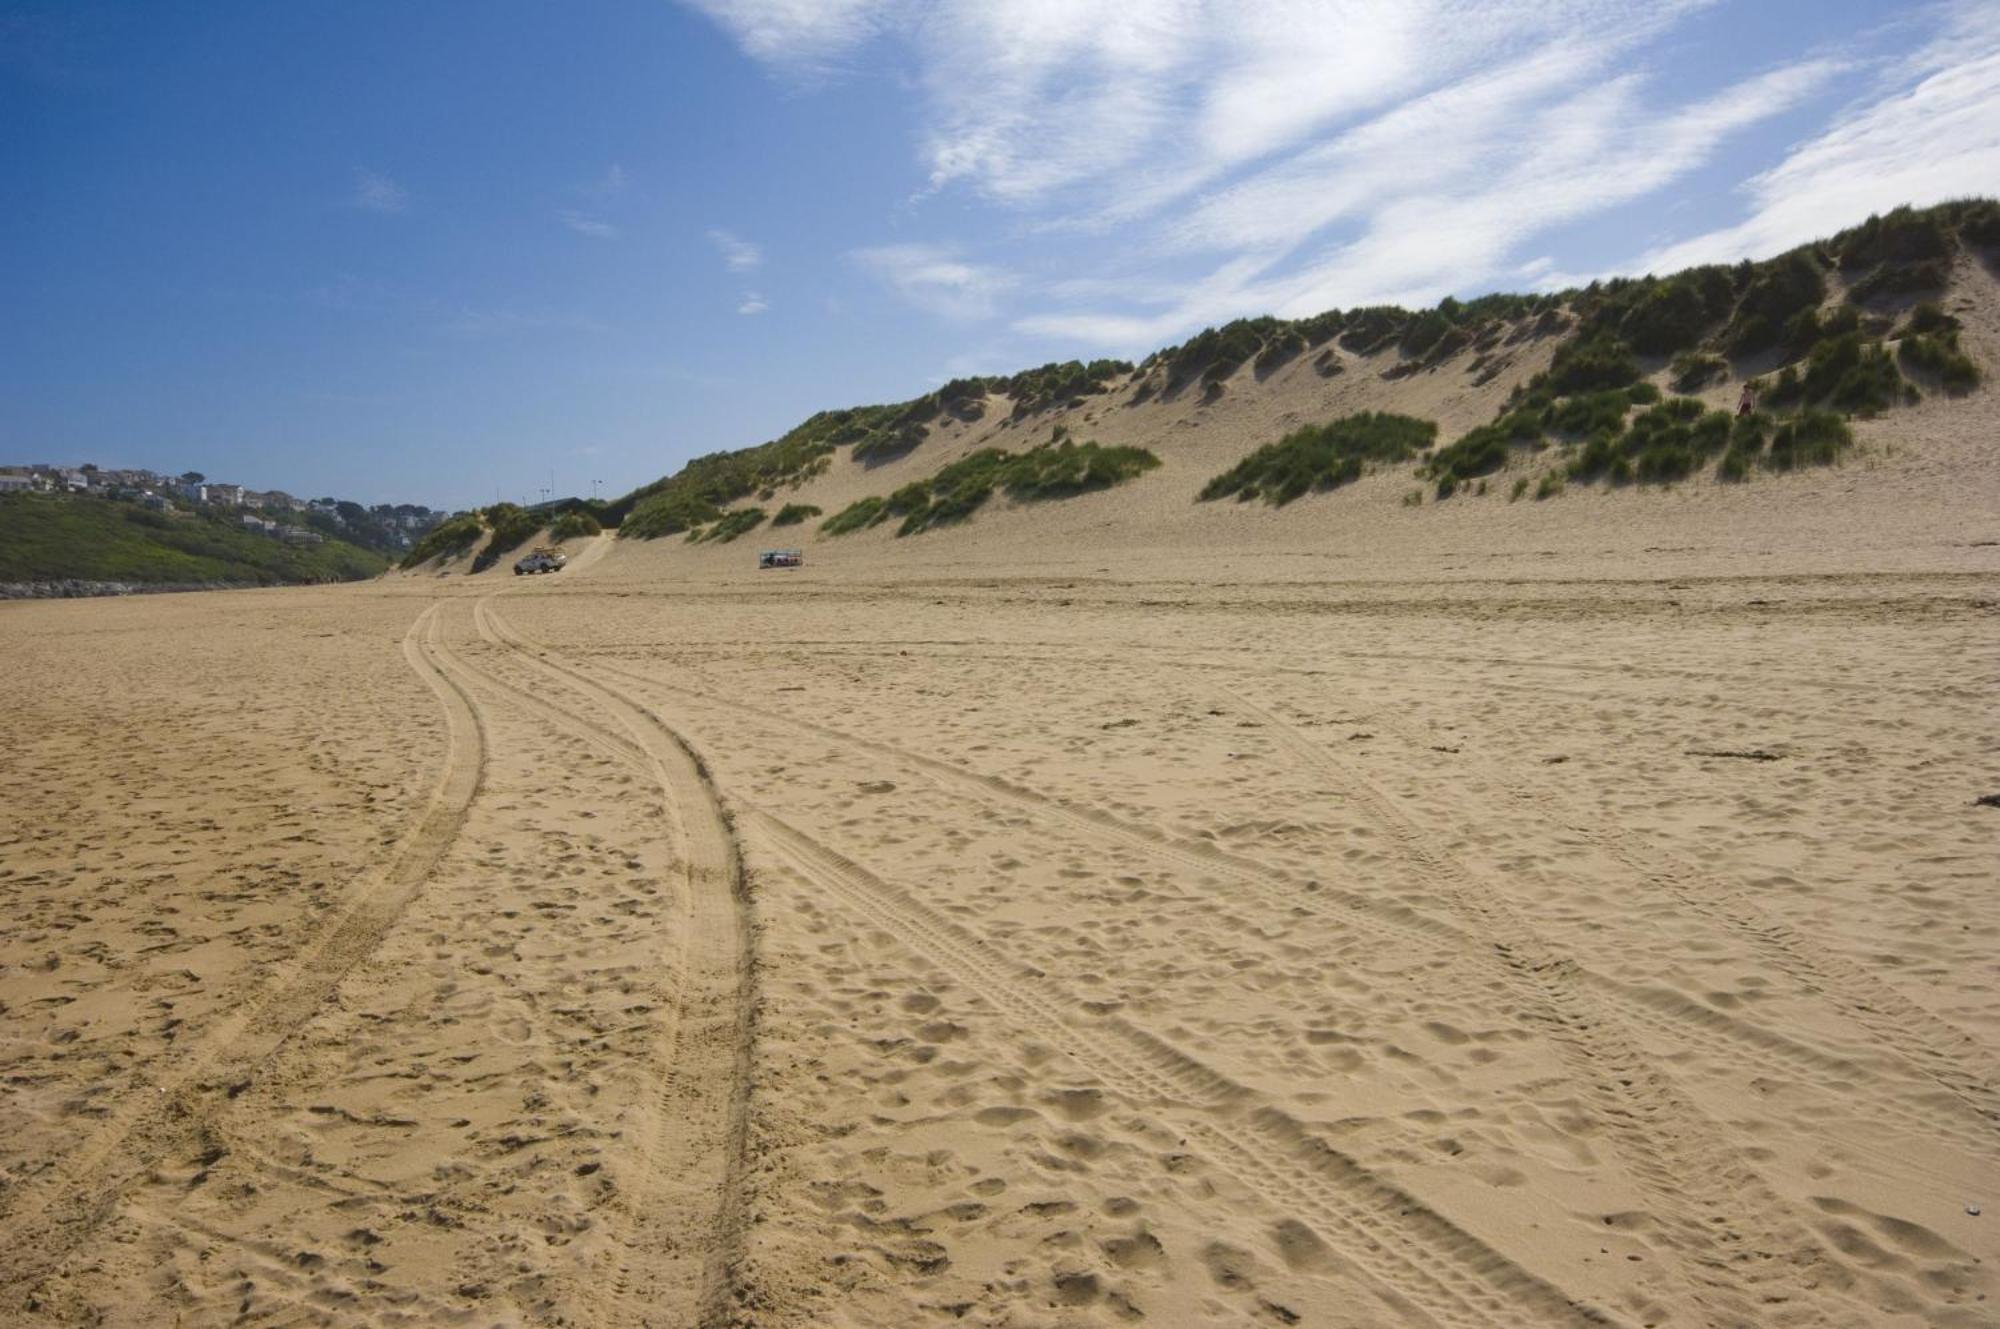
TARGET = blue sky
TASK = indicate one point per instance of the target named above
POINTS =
(437, 252)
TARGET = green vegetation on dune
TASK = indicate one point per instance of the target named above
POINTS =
(1060, 468)
(1808, 327)
(793, 513)
(448, 538)
(574, 525)
(1321, 457)
(55, 537)
(512, 526)
(732, 524)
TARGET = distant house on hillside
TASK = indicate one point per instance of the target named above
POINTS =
(299, 535)
(14, 484)
(157, 502)
(228, 496)
(262, 525)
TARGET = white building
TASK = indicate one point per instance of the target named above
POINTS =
(14, 484)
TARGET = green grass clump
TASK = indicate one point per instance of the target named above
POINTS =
(1590, 364)
(1902, 235)
(54, 537)
(1065, 468)
(574, 525)
(1928, 317)
(1930, 346)
(512, 525)
(1814, 438)
(855, 516)
(1694, 370)
(1320, 457)
(1899, 279)
(1777, 293)
(741, 521)
(793, 513)
(1746, 447)
(1060, 383)
(451, 537)
(1845, 373)
(1057, 469)
(1664, 443)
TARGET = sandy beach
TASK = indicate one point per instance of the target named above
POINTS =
(1186, 940)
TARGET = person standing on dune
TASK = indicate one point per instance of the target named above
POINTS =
(1747, 402)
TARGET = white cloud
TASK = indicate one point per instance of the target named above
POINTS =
(590, 226)
(1932, 135)
(738, 255)
(1445, 219)
(1319, 153)
(935, 279)
(799, 34)
(375, 192)
(753, 303)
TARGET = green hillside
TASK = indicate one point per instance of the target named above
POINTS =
(57, 537)
(1842, 327)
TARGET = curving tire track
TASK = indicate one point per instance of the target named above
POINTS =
(1939, 1049)
(1732, 1234)
(1413, 1257)
(53, 1214)
(1678, 1019)
(687, 1229)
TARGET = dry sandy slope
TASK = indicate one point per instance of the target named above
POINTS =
(1920, 487)
(1113, 911)
(1199, 942)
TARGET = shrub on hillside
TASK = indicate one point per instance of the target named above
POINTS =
(1692, 371)
(512, 525)
(1899, 279)
(1902, 235)
(574, 525)
(1849, 374)
(451, 537)
(735, 523)
(1590, 364)
(793, 513)
(1937, 354)
(855, 516)
(1776, 293)
(1814, 438)
(1927, 317)
(1322, 457)
(1063, 469)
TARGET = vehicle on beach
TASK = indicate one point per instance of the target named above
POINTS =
(541, 560)
(781, 558)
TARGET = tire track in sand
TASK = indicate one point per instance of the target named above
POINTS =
(1417, 1261)
(1938, 1048)
(55, 1212)
(687, 1227)
(1680, 1020)
(1734, 1239)
(1421, 1264)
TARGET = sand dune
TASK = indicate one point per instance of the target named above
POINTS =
(1120, 910)
(919, 944)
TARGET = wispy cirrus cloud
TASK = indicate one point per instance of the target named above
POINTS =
(936, 279)
(1930, 133)
(801, 35)
(1296, 155)
(738, 254)
(752, 303)
(586, 225)
(375, 192)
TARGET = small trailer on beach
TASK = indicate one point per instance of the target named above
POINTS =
(781, 558)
